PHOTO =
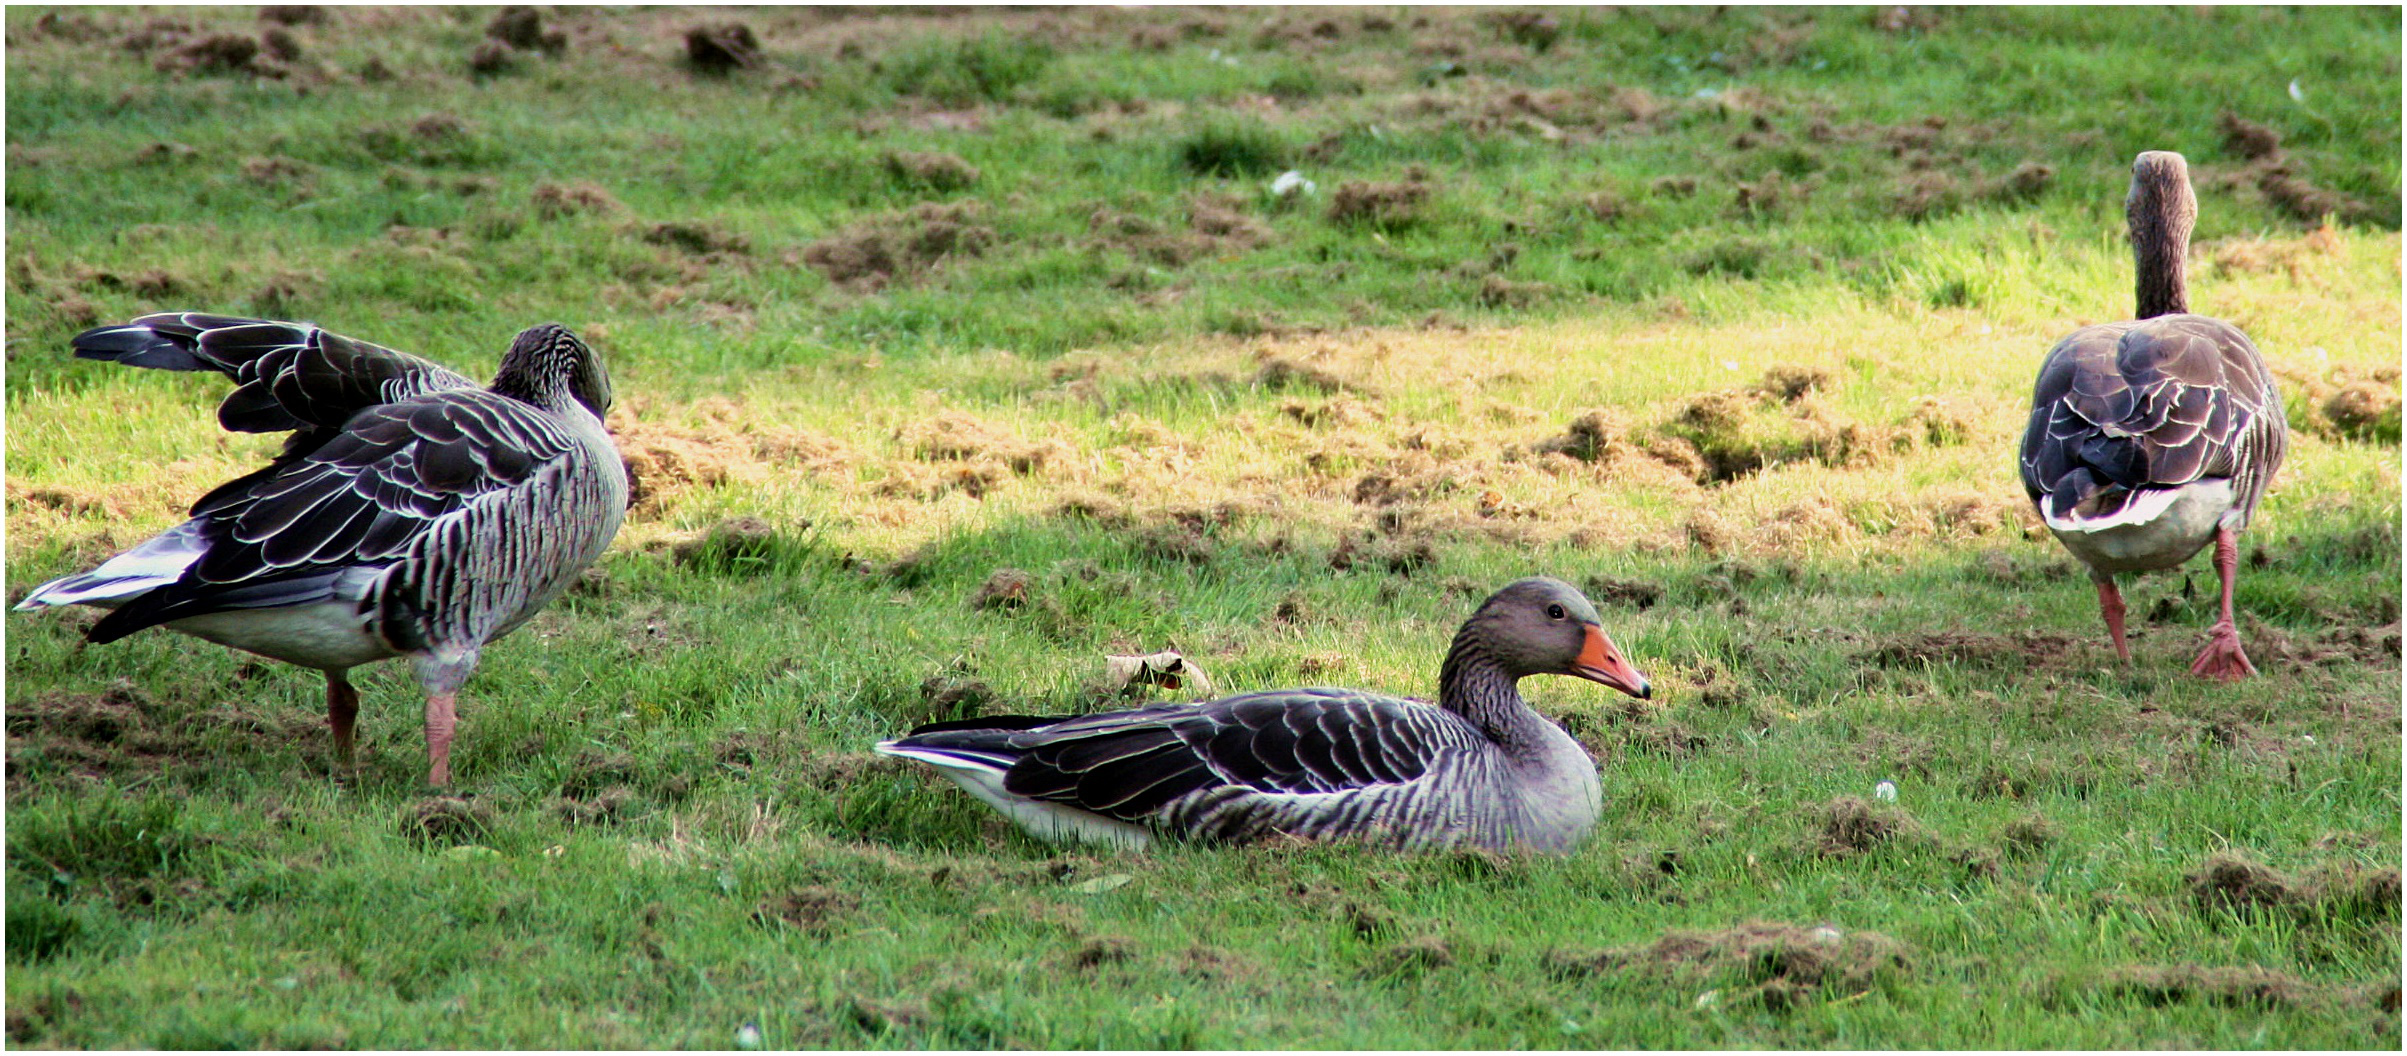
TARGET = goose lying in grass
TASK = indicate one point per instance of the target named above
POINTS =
(411, 512)
(2149, 439)
(1479, 768)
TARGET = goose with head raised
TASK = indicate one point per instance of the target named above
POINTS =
(1479, 768)
(411, 512)
(2150, 439)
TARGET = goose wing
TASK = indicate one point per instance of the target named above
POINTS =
(1129, 764)
(289, 376)
(2151, 404)
(361, 497)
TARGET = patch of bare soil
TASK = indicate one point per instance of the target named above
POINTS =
(699, 239)
(1387, 206)
(1102, 951)
(959, 437)
(815, 909)
(731, 544)
(1007, 588)
(2343, 894)
(730, 445)
(1784, 963)
(1410, 959)
(521, 27)
(1637, 594)
(2237, 985)
(2023, 648)
(555, 201)
(1849, 826)
(446, 819)
(722, 49)
(897, 247)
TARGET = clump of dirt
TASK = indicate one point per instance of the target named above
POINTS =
(1383, 205)
(933, 170)
(554, 201)
(722, 49)
(2295, 195)
(1782, 961)
(1007, 588)
(1593, 436)
(521, 27)
(2237, 985)
(1279, 373)
(607, 807)
(294, 14)
(893, 247)
(2365, 410)
(731, 447)
(2024, 648)
(2233, 882)
(213, 53)
(700, 239)
(1789, 383)
(446, 819)
(1398, 556)
(954, 436)
(1340, 412)
(1102, 951)
(2028, 835)
(741, 543)
(2248, 139)
(813, 908)
(492, 58)
(1635, 593)
(952, 697)
(2026, 183)
(1496, 291)
(1410, 959)
(1849, 826)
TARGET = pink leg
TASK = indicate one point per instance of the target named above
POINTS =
(2223, 657)
(342, 712)
(439, 721)
(2110, 605)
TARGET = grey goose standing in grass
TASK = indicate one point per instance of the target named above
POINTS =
(2150, 439)
(1477, 769)
(411, 512)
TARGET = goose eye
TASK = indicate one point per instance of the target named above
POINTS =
(1554, 612)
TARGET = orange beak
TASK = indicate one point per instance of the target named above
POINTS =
(1600, 661)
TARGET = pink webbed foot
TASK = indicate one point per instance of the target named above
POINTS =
(2223, 658)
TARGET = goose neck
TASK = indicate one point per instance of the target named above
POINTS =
(1476, 686)
(2161, 212)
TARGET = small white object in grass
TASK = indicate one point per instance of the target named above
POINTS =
(469, 850)
(1708, 93)
(1826, 933)
(1291, 182)
(748, 1036)
(1886, 791)
(2307, 737)
(1709, 999)
(1729, 364)
(1572, 1026)
(2296, 96)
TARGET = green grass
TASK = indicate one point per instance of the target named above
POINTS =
(672, 826)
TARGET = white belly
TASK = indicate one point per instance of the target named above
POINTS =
(2167, 539)
(328, 635)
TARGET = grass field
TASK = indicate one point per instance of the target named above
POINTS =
(1729, 316)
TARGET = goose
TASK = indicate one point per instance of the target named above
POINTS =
(2150, 439)
(1477, 769)
(411, 512)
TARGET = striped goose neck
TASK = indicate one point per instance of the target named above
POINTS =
(1476, 686)
(549, 368)
(2161, 211)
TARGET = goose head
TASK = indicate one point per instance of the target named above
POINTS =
(1541, 626)
(548, 366)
